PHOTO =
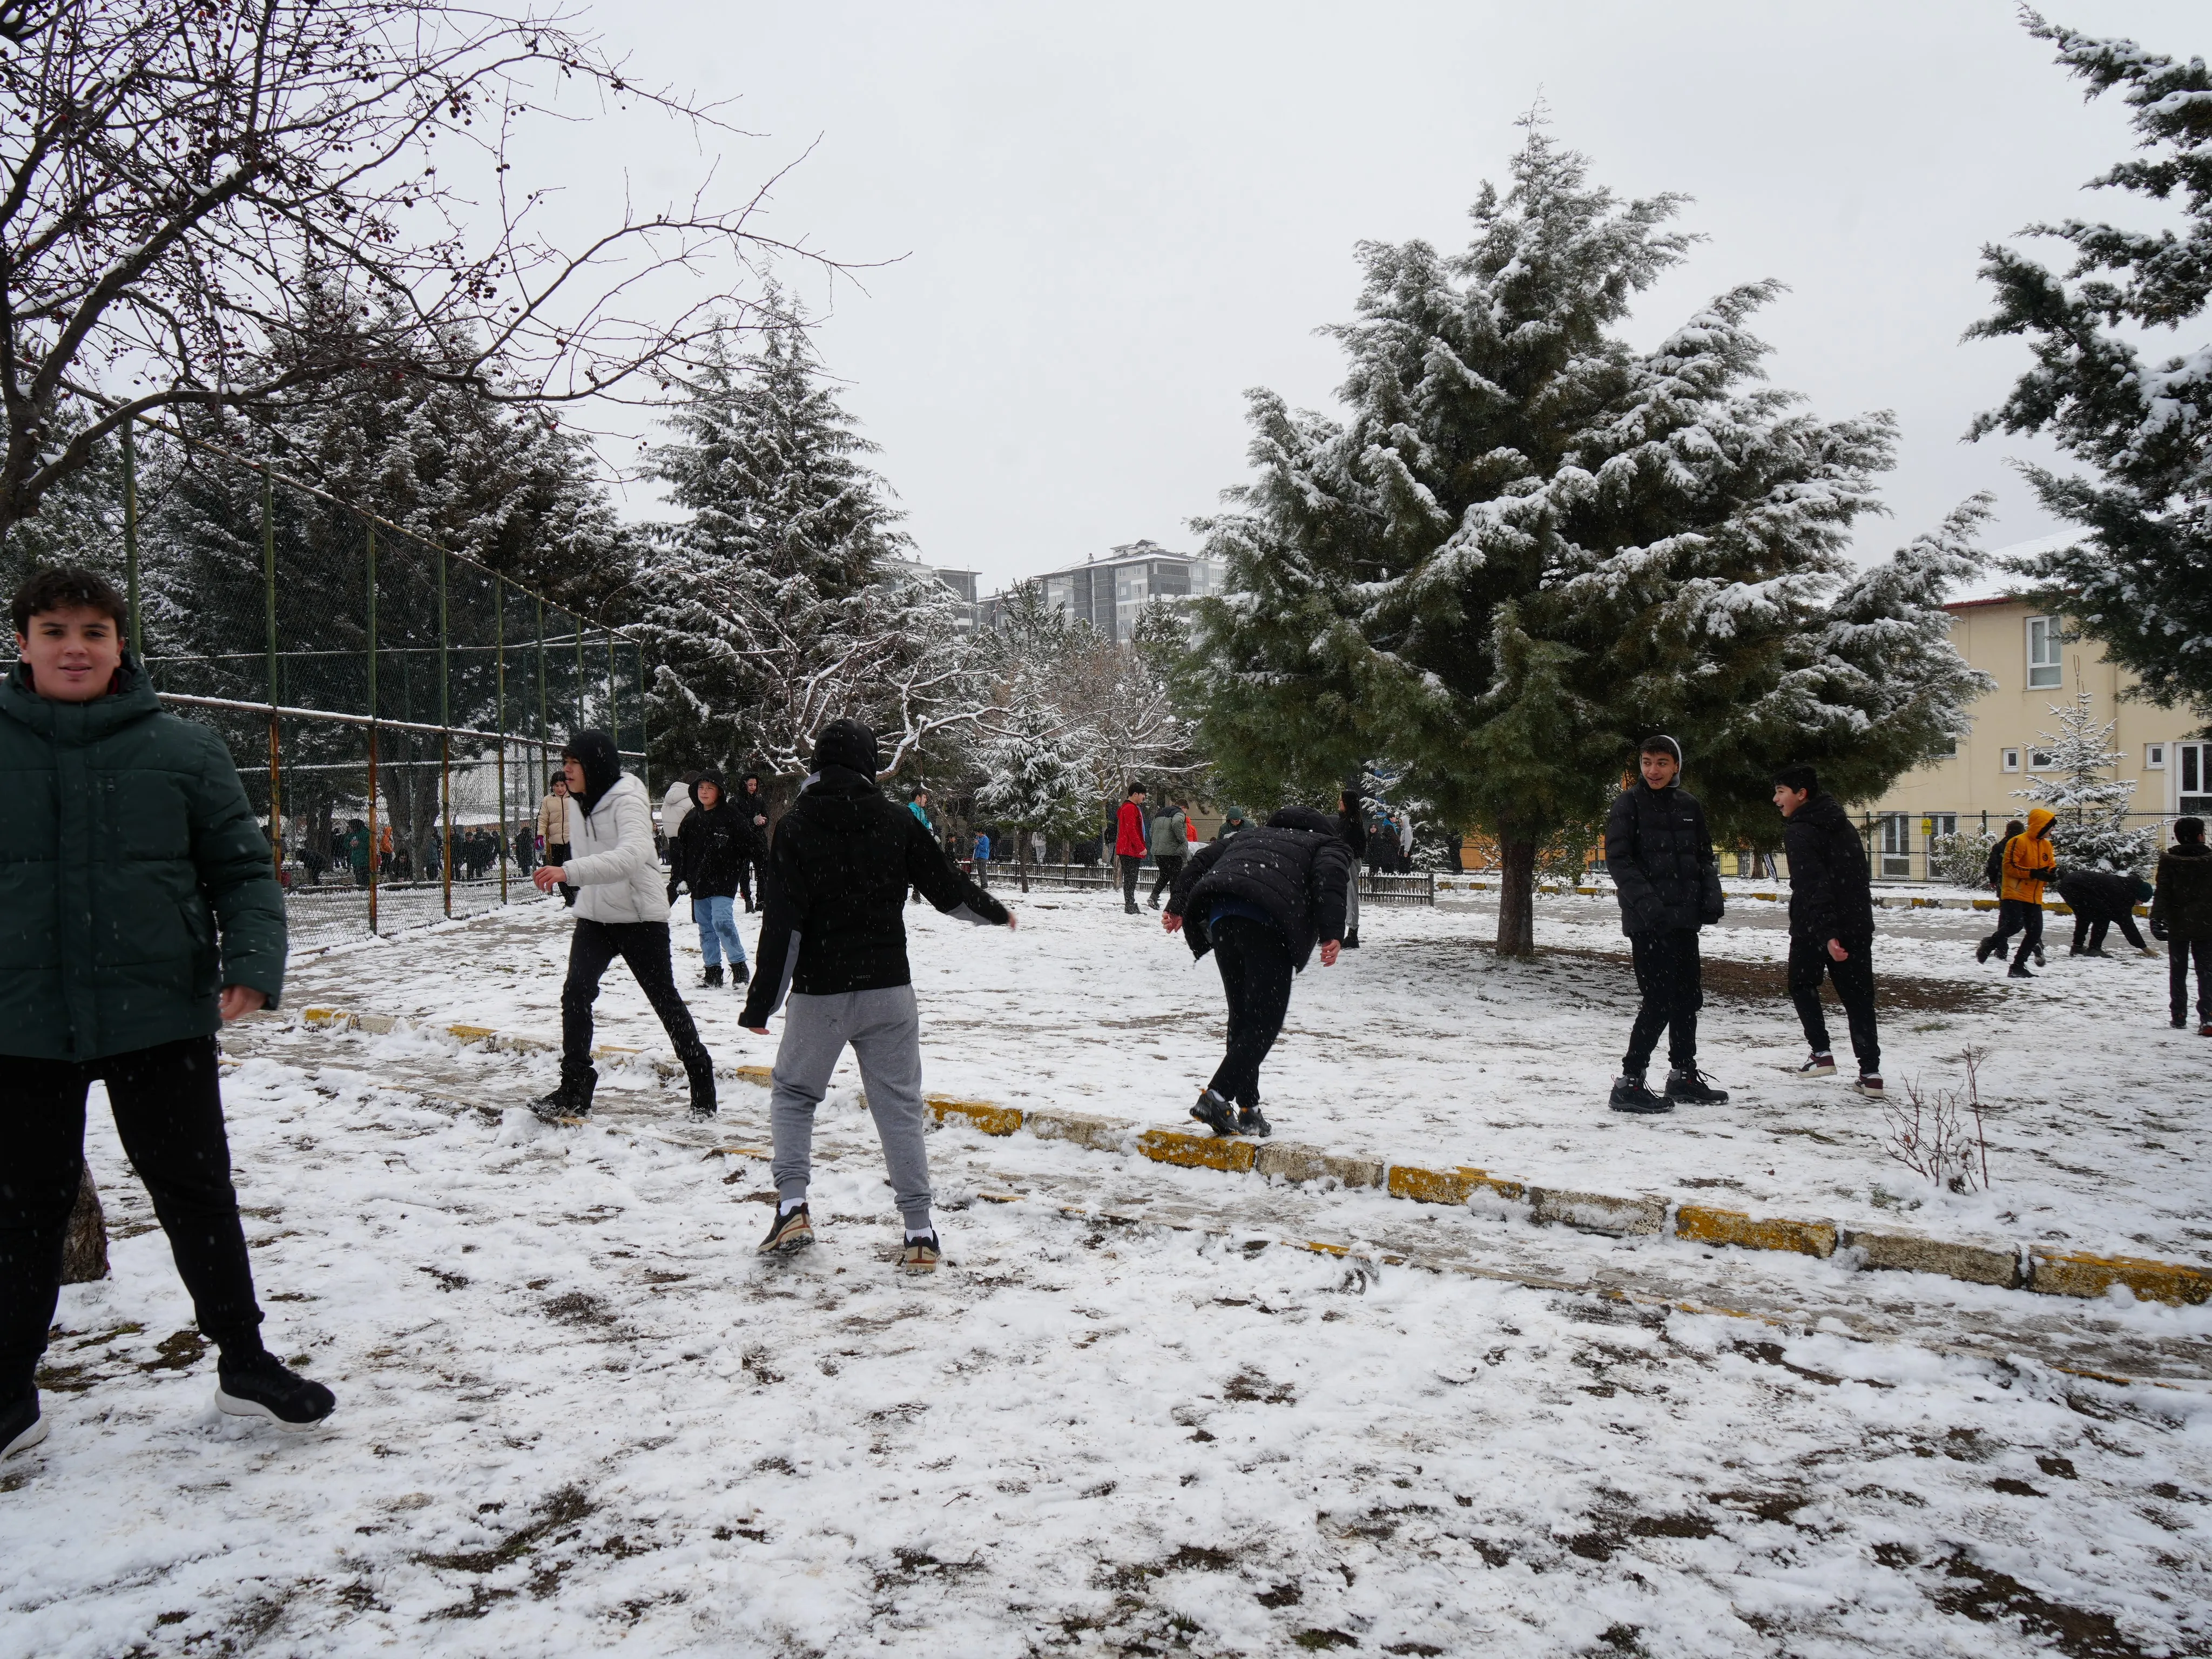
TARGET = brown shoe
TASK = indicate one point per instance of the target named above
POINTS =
(920, 1256)
(791, 1230)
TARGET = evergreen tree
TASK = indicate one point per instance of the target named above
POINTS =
(779, 604)
(1035, 771)
(1528, 545)
(2140, 579)
(2076, 782)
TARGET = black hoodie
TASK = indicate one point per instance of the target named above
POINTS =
(713, 844)
(602, 767)
(1831, 893)
(833, 912)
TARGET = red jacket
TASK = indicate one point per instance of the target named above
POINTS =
(1129, 839)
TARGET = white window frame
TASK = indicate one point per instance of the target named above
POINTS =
(2153, 757)
(2201, 753)
(2010, 757)
(2039, 760)
(2044, 630)
(1894, 832)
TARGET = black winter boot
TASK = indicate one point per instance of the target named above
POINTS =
(262, 1387)
(1250, 1120)
(1217, 1114)
(1630, 1094)
(22, 1426)
(712, 976)
(1352, 939)
(740, 975)
(1690, 1088)
(703, 1097)
(572, 1100)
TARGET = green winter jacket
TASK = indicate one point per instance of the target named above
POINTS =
(134, 881)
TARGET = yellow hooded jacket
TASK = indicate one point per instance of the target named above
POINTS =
(2029, 858)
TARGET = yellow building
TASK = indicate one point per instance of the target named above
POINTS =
(2022, 648)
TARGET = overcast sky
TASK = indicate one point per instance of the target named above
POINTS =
(1108, 223)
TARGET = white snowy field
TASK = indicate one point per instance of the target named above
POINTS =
(577, 1415)
(1424, 1047)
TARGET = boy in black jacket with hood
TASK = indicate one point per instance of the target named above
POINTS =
(1660, 855)
(833, 932)
(1831, 922)
(1259, 902)
(710, 854)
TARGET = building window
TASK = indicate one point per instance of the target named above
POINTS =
(1896, 844)
(2153, 757)
(2043, 654)
(1935, 827)
(2039, 760)
(2194, 760)
(2011, 760)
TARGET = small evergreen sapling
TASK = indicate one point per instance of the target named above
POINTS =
(2091, 803)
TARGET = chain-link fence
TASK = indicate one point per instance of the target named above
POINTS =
(394, 709)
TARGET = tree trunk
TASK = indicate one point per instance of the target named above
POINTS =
(84, 1253)
(1022, 857)
(1516, 899)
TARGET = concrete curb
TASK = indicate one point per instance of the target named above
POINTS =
(2034, 1268)
(1881, 901)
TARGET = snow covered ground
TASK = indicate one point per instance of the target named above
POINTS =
(577, 1415)
(1425, 1047)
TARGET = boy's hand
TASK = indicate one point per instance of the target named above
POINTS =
(757, 1030)
(1328, 950)
(1171, 922)
(1010, 923)
(238, 1000)
(1836, 949)
(547, 876)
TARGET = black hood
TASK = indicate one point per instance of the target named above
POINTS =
(849, 744)
(1823, 808)
(602, 766)
(1307, 818)
(722, 790)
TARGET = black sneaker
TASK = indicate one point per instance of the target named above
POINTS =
(1630, 1094)
(2039, 962)
(1690, 1088)
(698, 1114)
(571, 1101)
(791, 1230)
(1982, 951)
(2017, 971)
(1217, 1114)
(22, 1426)
(1251, 1121)
(1352, 939)
(262, 1387)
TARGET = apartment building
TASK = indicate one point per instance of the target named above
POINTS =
(2023, 649)
(1110, 592)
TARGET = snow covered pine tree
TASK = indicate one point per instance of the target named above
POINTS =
(2076, 782)
(2140, 579)
(1530, 544)
(779, 604)
(1036, 772)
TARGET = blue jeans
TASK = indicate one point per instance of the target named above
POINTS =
(718, 929)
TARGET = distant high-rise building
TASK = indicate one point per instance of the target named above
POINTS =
(961, 582)
(1110, 593)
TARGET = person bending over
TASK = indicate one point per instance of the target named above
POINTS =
(832, 952)
(1661, 857)
(622, 910)
(1831, 923)
(1259, 901)
(2100, 898)
(137, 912)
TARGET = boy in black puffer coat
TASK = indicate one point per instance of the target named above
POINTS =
(1660, 855)
(710, 855)
(1259, 902)
(2099, 898)
(1831, 923)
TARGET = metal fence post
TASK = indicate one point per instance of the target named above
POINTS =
(498, 659)
(614, 706)
(269, 605)
(373, 849)
(444, 749)
(131, 541)
(644, 738)
(581, 721)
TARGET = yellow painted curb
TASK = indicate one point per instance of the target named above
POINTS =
(989, 1119)
(2067, 1272)
(471, 1033)
(1703, 1224)
(1197, 1152)
(1422, 1186)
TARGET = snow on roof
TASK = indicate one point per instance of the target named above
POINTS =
(1995, 583)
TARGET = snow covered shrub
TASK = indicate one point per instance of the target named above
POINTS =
(1961, 859)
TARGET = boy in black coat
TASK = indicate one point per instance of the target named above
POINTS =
(710, 855)
(1660, 855)
(1831, 922)
(2099, 898)
(1259, 901)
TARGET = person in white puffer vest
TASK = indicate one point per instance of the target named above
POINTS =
(622, 910)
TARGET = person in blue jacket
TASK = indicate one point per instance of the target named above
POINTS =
(981, 854)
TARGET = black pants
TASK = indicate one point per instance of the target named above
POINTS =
(1255, 977)
(2095, 929)
(2019, 916)
(1668, 978)
(168, 1110)
(1170, 867)
(556, 852)
(644, 946)
(1130, 865)
(1854, 979)
(2178, 952)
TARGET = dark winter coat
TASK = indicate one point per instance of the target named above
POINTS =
(2100, 896)
(833, 912)
(1831, 887)
(1660, 855)
(2182, 906)
(714, 847)
(1297, 871)
(134, 882)
(1352, 827)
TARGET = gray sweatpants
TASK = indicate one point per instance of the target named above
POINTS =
(884, 1032)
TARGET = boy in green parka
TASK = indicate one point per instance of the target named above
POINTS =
(138, 911)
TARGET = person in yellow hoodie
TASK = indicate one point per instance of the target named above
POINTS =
(2028, 859)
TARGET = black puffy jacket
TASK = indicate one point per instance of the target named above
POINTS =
(2101, 896)
(1297, 870)
(714, 845)
(1660, 855)
(833, 911)
(1831, 888)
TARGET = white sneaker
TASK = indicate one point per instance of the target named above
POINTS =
(1819, 1066)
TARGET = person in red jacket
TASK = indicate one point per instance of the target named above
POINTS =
(1131, 842)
